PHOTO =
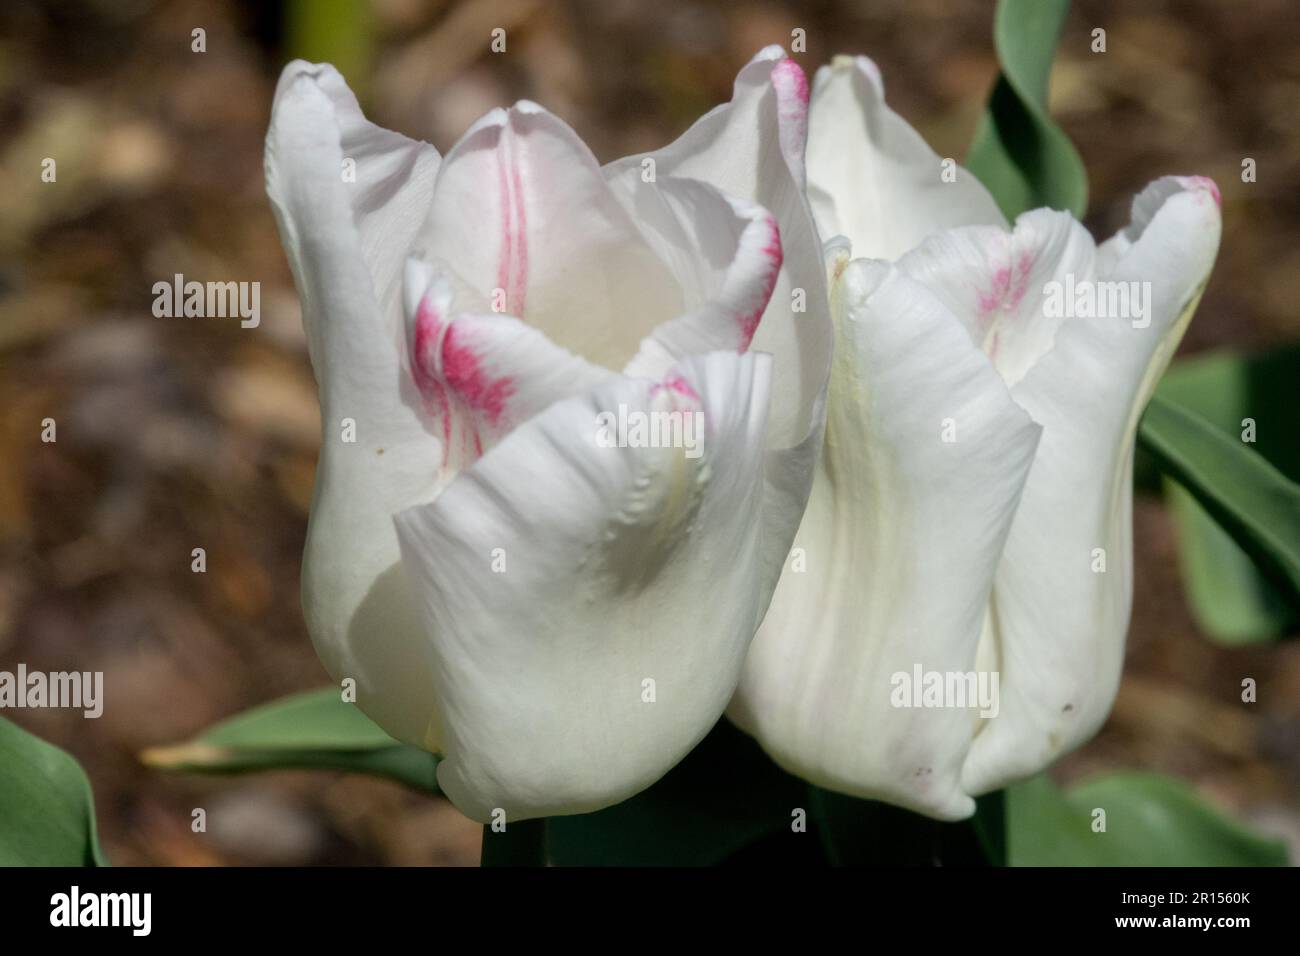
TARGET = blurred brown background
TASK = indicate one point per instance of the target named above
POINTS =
(183, 433)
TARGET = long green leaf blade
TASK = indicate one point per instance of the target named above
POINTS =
(1241, 396)
(1019, 153)
(316, 730)
(1248, 497)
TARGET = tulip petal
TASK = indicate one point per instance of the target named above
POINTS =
(752, 149)
(1061, 620)
(901, 540)
(522, 214)
(872, 178)
(997, 282)
(727, 256)
(481, 375)
(346, 242)
(388, 179)
(616, 566)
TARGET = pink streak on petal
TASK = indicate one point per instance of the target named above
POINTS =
(1203, 183)
(505, 254)
(512, 266)
(465, 376)
(1026, 263)
(428, 326)
(1020, 283)
(774, 255)
(675, 383)
(991, 300)
(520, 241)
(428, 323)
(1007, 289)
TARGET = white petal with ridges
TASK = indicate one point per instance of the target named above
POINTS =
(622, 565)
(995, 281)
(901, 539)
(1061, 624)
(752, 148)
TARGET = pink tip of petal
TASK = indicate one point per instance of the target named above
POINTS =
(791, 86)
(1203, 183)
(791, 81)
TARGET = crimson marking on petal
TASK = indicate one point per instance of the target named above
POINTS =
(775, 256)
(675, 383)
(428, 327)
(464, 374)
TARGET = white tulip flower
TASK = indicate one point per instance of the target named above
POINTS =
(970, 523)
(555, 601)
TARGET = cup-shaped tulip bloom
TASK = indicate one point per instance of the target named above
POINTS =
(554, 493)
(959, 617)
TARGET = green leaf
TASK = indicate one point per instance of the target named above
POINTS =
(723, 797)
(1150, 821)
(1025, 159)
(1249, 498)
(47, 811)
(1231, 601)
(316, 730)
